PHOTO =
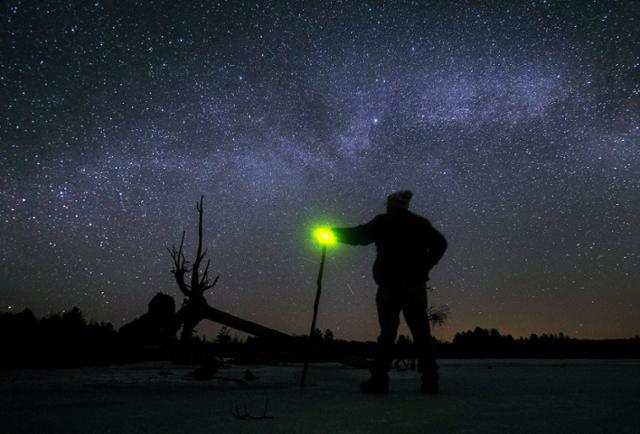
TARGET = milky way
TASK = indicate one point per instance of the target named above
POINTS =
(516, 124)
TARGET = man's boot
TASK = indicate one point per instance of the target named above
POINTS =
(378, 383)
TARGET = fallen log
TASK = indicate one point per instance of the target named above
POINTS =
(194, 312)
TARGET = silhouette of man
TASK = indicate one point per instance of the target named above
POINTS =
(407, 248)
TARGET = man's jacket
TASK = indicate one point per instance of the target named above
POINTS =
(407, 246)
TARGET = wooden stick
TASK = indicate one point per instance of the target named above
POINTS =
(315, 310)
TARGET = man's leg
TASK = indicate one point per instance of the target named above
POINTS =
(389, 319)
(414, 309)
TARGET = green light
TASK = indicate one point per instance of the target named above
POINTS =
(324, 236)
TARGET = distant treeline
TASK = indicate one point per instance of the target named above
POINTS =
(56, 340)
(483, 343)
(68, 339)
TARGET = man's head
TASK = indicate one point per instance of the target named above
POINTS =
(399, 200)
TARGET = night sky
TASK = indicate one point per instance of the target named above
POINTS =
(516, 125)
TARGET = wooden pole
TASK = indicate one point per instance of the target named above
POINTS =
(315, 309)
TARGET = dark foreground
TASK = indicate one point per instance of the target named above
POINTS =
(479, 396)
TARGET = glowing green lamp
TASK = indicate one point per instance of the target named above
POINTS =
(325, 237)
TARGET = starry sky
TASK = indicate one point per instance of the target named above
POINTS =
(516, 125)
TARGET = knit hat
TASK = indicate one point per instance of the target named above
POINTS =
(399, 199)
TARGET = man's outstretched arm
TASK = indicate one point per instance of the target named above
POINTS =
(359, 235)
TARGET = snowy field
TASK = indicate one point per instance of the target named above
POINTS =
(478, 396)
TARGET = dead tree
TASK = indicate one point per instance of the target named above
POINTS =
(195, 307)
(194, 284)
(195, 303)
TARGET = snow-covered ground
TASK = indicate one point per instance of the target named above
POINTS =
(478, 396)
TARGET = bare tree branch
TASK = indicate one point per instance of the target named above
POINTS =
(204, 280)
(180, 267)
(211, 285)
(243, 413)
(195, 272)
